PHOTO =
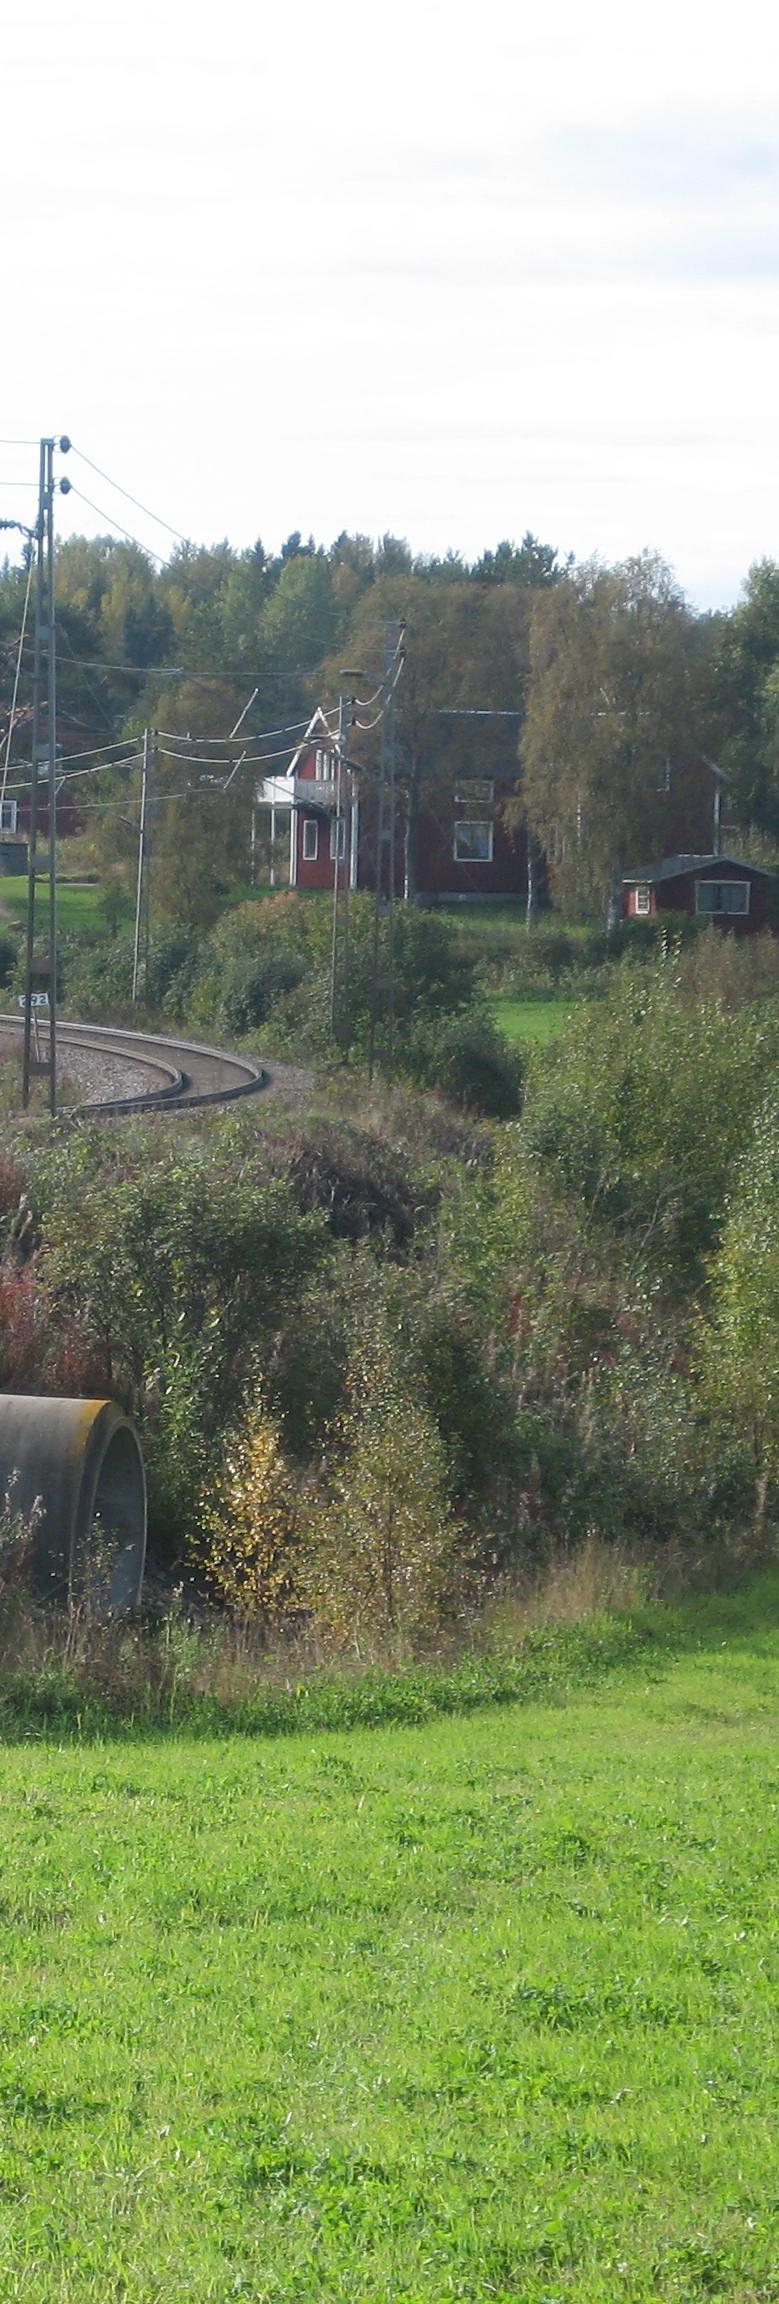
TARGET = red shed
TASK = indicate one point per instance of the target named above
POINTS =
(721, 889)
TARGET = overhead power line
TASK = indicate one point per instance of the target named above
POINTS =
(69, 774)
(126, 492)
(112, 523)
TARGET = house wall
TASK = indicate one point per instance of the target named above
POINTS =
(318, 871)
(441, 873)
(66, 815)
(678, 895)
(631, 904)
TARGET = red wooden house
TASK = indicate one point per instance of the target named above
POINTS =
(720, 889)
(463, 846)
(73, 736)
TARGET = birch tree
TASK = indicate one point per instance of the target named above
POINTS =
(611, 703)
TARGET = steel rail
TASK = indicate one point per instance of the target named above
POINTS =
(189, 1072)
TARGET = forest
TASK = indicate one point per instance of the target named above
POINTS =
(616, 685)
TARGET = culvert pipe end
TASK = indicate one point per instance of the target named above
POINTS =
(74, 1469)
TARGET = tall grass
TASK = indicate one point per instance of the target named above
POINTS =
(182, 1669)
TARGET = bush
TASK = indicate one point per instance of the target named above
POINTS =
(360, 1184)
(382, 1560)
(640, 1110)
(180, 1260)
(9, 949)
(467, 1057)
(250, 1521)
(740, 1350)
(253, 986)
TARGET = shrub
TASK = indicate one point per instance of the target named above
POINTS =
(382, 1561)
(8, 957)
(360, 1183)
(641, 1109)
(253, 986)
(181, 1259)
(740, 1350)
(250, 1522)
(467, 1057)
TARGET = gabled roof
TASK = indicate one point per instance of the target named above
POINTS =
(679, 867)
(317, 726)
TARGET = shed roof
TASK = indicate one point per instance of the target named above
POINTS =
(680, 867)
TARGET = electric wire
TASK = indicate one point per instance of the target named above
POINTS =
(290, 728)
(206, 760)
(89, 684)
(112, 523)
(119, 744)
(364, 703)
(70, 775)
(126, 492)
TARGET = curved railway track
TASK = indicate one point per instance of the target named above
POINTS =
(173, 1075)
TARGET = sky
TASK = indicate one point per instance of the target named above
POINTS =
(448, 271)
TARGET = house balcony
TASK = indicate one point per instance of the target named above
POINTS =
(303, 792)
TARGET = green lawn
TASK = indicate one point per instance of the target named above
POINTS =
(77, 907)
(478, 2009)
(523, 1020)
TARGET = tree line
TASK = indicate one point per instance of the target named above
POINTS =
(618, 686)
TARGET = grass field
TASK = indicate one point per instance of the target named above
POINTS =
(523, 1020)
(477, 2009)
(77, 907)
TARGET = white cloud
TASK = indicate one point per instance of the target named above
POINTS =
(447, 272)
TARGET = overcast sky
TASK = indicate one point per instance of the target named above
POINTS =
(452, 271)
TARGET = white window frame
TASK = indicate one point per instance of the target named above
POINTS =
(310, 840)
(723, 911)
(337, 834)
(474, 824)
(643, 903)
(9, 815)
(323, 766)
(473, 791)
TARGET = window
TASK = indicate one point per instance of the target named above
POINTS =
(474, 791)
(8, 816)
(472, 842)
(337, 834)
(643, 898)
(721, 898)
(310, 840)
(323, 766)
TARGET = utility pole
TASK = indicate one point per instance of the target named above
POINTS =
(335, 956)
(51, 724)
(141, 878)
(386, 827)
(41, 973)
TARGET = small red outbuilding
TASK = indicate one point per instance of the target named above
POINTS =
(720, 889)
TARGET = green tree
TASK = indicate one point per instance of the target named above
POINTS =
(611, 698)
(299, 625)
(747, 674)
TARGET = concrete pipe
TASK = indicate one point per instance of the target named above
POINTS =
(75, 1468)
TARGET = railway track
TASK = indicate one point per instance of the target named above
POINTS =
(166, 1074)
